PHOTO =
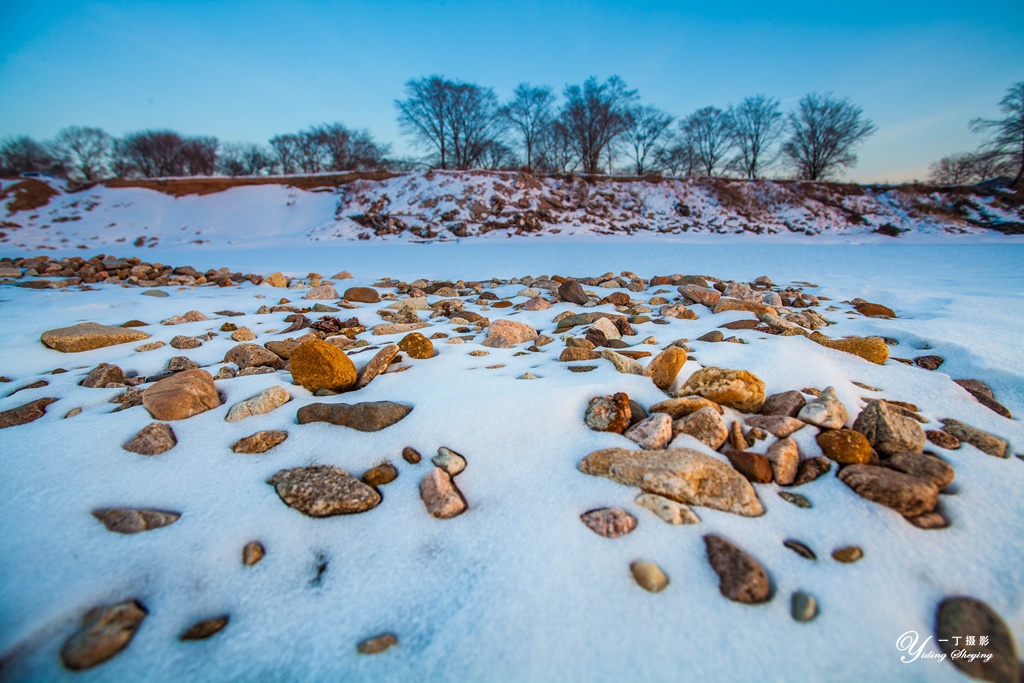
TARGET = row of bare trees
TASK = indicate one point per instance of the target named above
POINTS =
(603, 126)
(90, 154)
(1001, 154)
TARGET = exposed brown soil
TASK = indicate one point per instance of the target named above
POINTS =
(180, 187)
(28, 194)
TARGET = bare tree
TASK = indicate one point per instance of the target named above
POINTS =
(22, 154)
(199, 155)
(530, 113)
(151, 153)
(677, 157)
(83, 151)
(244, 159)
(823, 133)
(1007, 134)
(554, 152)
(757, 124)
(424, 114)
(593, 116)
(644, 134)
(708, 134)
(286, 152)
(497, 156)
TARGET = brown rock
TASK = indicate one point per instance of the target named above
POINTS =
(377, 365)
(152, 439)
(650, 433)
(88, 336)
(377, 644)
(318, 365)
(326, 292)
(366, 417)
(181, 396)
(441, 496)
(825, 411)
(906, 494)
(417, 346)
(190, 317)
(608, 413)
(757, 309)
(243, 334)
(705, 425)
(205, 629)
(253, 356)
(754, 466)
(323, 491)
(741, 577)
(260, 442)
(981, 391)
(276, 280)
(380, 475)
(681, 407)
(411, 455)
(573, 353)
(873, 349)
(183, 342)
(983, 441)
(504, 334)
(648, 576)
(776, 425)
(24, 414)
(847, 554)
(784, 457)
(664, 367)
(874, 310)
(683, 475)
(267, 400)
(888, 430)
(811, 469)
(942, 439)
(609, 522)
(928, 362)
(364, 295)
(787, 403)
(252, 553)
(133, 521)
(102, 375)
(105, 631)
(931, 468)
(571, 291)
(845, 446)
(737, 389)
(996, 660)
(284, 348)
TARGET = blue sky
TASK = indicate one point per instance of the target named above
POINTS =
(247, 70)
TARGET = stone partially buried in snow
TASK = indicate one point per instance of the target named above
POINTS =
(608, 413)
(888, 430)
(609, 522)
(253, 356)
(441, 496)
(88, 336)
(683, 475)
(323, 491)
(417, 346)
(133, 521)
(664, 367)
(104, 632)
(960, 616)
(260, 442)
(322, 292)
(706, 425)
(319, 365)
(181, 396)
(873, 349)
(906, 494)
(737, 389)
(845, 446)
(153, 439)
(825, 411)
(267, 400)
(652, 433)
(504, 334)
(741, 577)
(983, 441)
(365, 417)
(363, 295)
(30, 412)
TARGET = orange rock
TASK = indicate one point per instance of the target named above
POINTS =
(318, 365)
(181, 396)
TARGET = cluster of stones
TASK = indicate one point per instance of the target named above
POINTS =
(111, 270)
(879, 454)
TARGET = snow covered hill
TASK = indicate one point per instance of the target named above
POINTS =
(448, 205)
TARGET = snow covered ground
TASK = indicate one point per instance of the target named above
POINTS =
(516, 588)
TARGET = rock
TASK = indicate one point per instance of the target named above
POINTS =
(649, 576)
(243, 334)
(150, 346)
(811, 469)
(267, 400)
(931, 468)
(571, 291)
(737, 389)
(800, 549)
(377, 365)
(205, 629)
(441, 496)
(608, 413)
(757, 309)
(705, 425)
(784, 457)
(624, 364)
(253, 356)
(411, 455)
(133, 521)
(787, 403)
(102, 375)
(609, 522)
(754, 466)
(574, 353)
(664, 367)
(776, 425)
(380, 475)
(825, 411)
(181, 363)
(260, 442)
(795, 499)
(981, 391)
(873, 349)
(996, 660)
(417, 346)
(184, 342)
(683, 475)
(678, 408)
(504, 334)
(652, 433)
(845, 446)
(365, 417)
(607, 328)
(181, 396)
(397, 328)
(742, 578)
(668, 510)
(190, 317)
(873, 310)
(284, 348)
(536, 304)
(906, 494)
(327, 292)
(276, 280)
(152, 439)
(323, 491)
(104, 632)
(252, 553)
(89, 336)
(449, 461)
(318, 365)
(377, 644)
(847, 554)
(363, 295)
(702, 295)
(888, 430)
(23, 414)
(928, 362)
(942, 439)
(983, 441)
(929, 520)
(803, 606)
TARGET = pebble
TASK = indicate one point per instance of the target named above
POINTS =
(983, 441)
(737, 389)
(811, 469)
(380, 475)
(649, 576)
(825, 411)
(609, 522)
(904, 493)
(205, 629)
(105, 632)
(942, 439)
(153, 439)
(872, 349)
(411, 455)
(253, 356)
(449, 461)
(181, 396)
(504, 334)
(252, 553)
(323, 491)
(133, 521)
(795, 499)
(102, 375)
(365, 417)
(845, 446)
(364, 295)
(652, 433)
(848, 554)
(23, 414)
(664, 367)
(800, 549)
(784, 456)
(378, 364)
(667, 510)
(706, 425)
(681, 407)
(754, 466)
(623, 364)
(416, 346)
(377, 644)
(89, 336)
(243, 334)
(190, 317)
(441, 496)
(322, 292)
(803, 606)
(267, 400)
(741, 577)
(931, 468)
(888, 430)
(608, 413)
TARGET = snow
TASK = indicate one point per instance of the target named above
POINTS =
(517, 588)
